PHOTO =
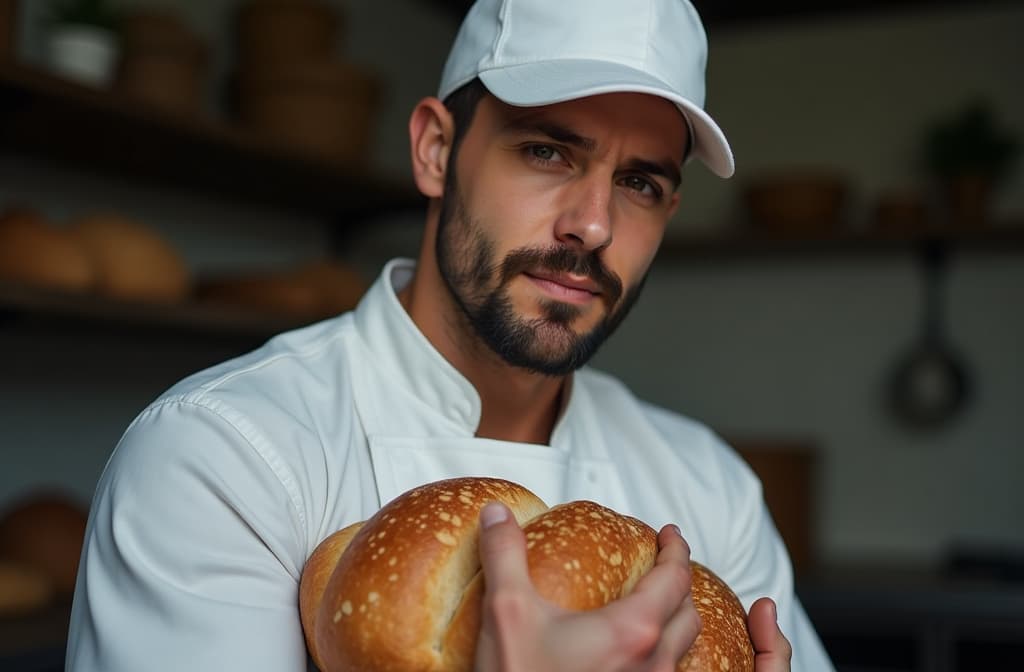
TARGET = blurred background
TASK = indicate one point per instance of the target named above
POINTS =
(180, 180)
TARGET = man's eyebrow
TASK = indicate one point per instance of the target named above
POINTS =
(552, 130)
(532, 125)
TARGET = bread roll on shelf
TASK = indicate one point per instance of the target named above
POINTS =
(132, 261)
(44, 532)
(35, 252)
(23, 589)
(312, 290)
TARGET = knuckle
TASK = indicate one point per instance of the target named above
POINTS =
(786, 648)
(506, 605)
(682, 579)
(638, 637)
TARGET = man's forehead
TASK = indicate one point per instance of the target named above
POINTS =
(650, 116)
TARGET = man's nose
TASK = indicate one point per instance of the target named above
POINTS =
(585, 222)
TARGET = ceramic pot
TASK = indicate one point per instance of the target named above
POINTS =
(86, 54)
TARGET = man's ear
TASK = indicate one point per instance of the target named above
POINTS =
(431, 132)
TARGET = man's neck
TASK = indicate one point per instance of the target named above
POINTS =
(515, 404)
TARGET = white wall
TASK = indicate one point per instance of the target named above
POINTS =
(856, 95)
(801, 347)
(767, 347)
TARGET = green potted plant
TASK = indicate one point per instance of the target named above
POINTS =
(81, 40)
(969, 155)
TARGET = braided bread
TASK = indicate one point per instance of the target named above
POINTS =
(402, 591)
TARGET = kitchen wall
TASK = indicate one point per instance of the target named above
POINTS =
(792, 347)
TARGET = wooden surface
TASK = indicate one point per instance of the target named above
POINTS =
(19, 301)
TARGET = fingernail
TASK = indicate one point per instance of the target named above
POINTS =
(775, 612)
(676, 528)
(492, 514)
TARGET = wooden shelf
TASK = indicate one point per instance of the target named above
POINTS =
(98, 131)
(717, 13)
(36, 640)
(1002, 238)
(202, 319)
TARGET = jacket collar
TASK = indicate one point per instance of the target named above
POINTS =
(415, 365)
(409, 359)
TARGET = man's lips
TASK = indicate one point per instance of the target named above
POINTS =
(565, 287)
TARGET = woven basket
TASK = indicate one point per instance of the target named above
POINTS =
(274, 33)
(322, 109)
(162, 61)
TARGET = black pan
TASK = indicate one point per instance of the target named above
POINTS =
(930, 383)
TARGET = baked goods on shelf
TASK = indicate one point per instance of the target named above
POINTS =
(35, 252)
(312, 290)
(131, 259)
(44, 533)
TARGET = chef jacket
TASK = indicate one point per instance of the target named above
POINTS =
(219, 490)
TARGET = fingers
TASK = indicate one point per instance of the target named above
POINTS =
(503, 550)
(772, 651)
(658, 622)
(507, 590)
(683, 627)
(649, 629)
(667, 585)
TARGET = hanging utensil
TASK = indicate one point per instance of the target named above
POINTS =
(930, 384)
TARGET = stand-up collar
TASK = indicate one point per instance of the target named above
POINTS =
(402, 350)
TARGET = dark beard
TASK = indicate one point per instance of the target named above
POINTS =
(547, 344)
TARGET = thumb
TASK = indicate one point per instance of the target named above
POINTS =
(502, 549)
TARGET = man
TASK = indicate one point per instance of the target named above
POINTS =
(552, 168)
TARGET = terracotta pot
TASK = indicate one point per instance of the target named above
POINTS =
(323, 109)
(796, 202)
(163, 62)
(8, 28)
(278, 32)
(969, 198)
(901, 211)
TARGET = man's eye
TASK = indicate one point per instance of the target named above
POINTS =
(544, 152)
(640, 185)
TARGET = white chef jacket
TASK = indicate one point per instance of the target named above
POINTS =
(220, 489)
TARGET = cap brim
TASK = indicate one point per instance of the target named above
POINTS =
(531, 84)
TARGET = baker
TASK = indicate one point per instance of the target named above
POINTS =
(551, 158)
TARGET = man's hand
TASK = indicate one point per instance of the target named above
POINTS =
(648, 630)
(772, 651)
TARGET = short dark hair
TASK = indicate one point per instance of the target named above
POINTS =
(462, 104)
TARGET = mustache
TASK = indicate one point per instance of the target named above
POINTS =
(561, 259)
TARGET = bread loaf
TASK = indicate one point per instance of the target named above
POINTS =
(313, 290)
(403, 590)
(132, 260)
(45, 532)
(22, 589)
(35, 252)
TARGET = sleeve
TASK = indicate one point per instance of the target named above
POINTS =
(193, 551)
(758, 564)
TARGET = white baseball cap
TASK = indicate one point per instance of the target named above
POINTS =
(539, 52)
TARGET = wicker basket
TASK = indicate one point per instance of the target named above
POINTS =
(322, 109)
(162, 62)
(274, 33)
(796, 202)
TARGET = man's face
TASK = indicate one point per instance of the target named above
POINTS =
(551, 217)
